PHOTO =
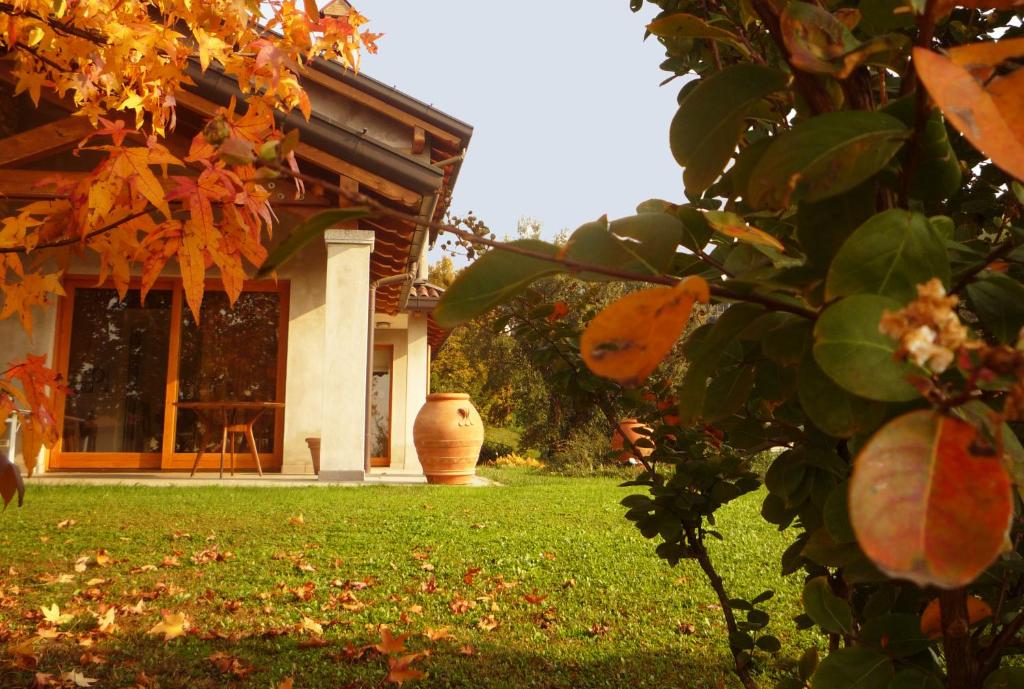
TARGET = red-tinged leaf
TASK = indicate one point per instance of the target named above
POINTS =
(400, 670)
(389, 644)
(990, 118)
(11, 483)
(39, 385)
(929, 502)
(628, 340)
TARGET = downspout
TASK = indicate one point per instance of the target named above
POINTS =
(371, 309)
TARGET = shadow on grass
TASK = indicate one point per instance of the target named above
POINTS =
(184, 663)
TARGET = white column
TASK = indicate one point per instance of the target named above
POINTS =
(417, 383)
(343, 434)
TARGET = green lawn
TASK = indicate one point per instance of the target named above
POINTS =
(614, 615)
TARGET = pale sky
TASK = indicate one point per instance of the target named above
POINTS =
(570, 122)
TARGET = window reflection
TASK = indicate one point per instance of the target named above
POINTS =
(380, 406)
(117, 368)
(231, 355)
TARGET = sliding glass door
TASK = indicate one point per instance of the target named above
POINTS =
(126, 363)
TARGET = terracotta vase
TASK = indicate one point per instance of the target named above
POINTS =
(314, 451)
(628, 428)
(448, 434)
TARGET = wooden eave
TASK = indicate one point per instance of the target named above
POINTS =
(21, 178)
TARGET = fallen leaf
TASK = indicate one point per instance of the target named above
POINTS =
(534, 598)
(400, 669)
(312, 626)
(78, 679)
(487, 623)
(67, 523)
(172, 626)
(53, 615)
(297, 521)
(437, 634)
(390, 645)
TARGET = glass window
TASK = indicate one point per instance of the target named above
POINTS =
(380, 404)
(230, 355)
(117, 369)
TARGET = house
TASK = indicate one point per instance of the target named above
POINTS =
(343, 338)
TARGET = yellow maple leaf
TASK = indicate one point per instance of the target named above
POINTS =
(53, 615)
(172, 626)
(313, 626)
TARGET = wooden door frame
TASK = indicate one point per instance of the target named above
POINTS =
(167, 458)
(382, 462)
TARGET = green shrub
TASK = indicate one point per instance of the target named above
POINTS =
(499, 442)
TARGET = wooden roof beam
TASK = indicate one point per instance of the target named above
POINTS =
(381, 186)
(45, 140)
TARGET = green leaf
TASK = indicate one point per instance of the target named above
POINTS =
(1006, 678)
(728, 392)
(882, 16)
(914, 679)
(890, 254)
(821, 228)
(682, 25)
(854, 668)
(307, 232)
(850, 349)
(707, 128)
(829, 611)
(787, 343)
(999, 302)
(644, 244)
(836, 515)
(831, 408)
(937, 175)
(491, 280)
(703, 356)
(696, 229)
(823, 157)
(808, 663)
(896, 634)
(769, 644)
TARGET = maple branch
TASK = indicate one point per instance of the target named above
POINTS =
(66, 28)
(67, 241)
(379, 208)
(42, 58)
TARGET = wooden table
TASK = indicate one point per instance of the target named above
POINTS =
(229, 417)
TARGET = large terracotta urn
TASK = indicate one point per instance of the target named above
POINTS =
(628, 429)
(448, 434)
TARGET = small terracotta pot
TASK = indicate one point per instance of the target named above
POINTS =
(314, 451)
(448, 434)
(628, 428)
